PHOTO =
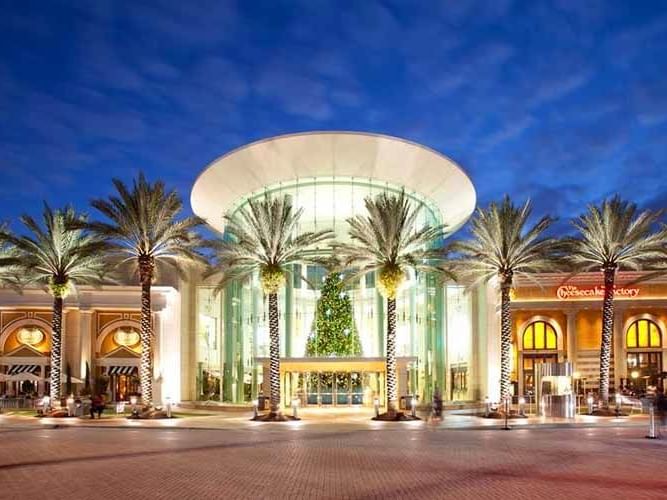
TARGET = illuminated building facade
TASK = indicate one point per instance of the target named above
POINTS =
(212, 347)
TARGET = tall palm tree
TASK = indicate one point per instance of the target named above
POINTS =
(261, 238)
(615, 236)
(143, 231)
(503, 246)
(57, 255)
(387, 240)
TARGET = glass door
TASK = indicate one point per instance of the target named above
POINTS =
(356, 388)
(342, 389)
(326, 388)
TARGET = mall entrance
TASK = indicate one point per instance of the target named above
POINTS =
(334, 388)
(336, 382)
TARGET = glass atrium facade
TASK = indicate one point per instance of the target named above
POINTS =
(433, 320)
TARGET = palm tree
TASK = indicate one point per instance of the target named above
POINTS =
(143, 231)
(387, 241)
(57, 255)
(261, 238)
(615, 236)
(504, 247)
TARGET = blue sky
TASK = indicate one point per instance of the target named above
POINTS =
(564, 102)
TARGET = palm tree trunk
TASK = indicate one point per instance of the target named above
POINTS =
(274, 353)
(392, 390)
(56, 343)
(607, 331)
(145, 369)
(505, 339)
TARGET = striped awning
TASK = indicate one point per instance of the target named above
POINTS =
(122, 370)
(16, 369)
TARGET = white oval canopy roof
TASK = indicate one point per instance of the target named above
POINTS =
(347, 154)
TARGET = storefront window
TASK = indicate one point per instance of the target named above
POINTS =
(538, 336)
(643, 333)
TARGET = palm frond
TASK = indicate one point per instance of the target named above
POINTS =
(503, 245)
(142, 222)
(261, 236)
(614, 235)
(389, 236)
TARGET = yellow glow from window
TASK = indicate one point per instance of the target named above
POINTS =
(632, 335)
(528, 338)
(539, 335)
(642, 328)
(551, 338)
(654, 335)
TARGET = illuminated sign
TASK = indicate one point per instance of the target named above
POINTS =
(566, 292)
(127, 338)
(30, 336)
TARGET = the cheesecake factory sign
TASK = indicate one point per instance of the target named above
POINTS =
(567, 292)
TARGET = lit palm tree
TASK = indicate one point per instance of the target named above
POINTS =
(58, 256)
(261, 238)
(143, 232)
(615, 236)
(9, 263)
(387, 240)
(504, 247)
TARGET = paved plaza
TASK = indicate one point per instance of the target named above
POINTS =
(351, 458)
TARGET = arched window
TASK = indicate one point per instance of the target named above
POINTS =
(643, 333)
(538, 336)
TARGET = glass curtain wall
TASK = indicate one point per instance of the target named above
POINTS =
(232, 328)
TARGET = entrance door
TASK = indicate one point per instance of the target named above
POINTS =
(327, 388)
(530, 362)
(343, 389)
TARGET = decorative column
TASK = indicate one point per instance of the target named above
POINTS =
(620, 367)
(572, 338)
(86, 341)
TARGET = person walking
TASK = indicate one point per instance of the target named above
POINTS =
(97, 406)
(660, 409)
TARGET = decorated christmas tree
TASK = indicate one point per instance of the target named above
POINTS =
(334, 332)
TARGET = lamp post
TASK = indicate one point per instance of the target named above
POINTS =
(133, 402)
(506, 404)
(652, 434)
(46, 402)
(70, 405)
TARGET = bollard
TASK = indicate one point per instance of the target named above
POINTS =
(168, 406)
(413, 405)
(487, 407)
(652, 434)
(295, 405)
(617, 399)
(522, 404)
(589, 400)
(376, 404)
(255, 405)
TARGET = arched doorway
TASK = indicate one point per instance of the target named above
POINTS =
(25, 348)
(119, 352)
(539, 344)
(643, 341)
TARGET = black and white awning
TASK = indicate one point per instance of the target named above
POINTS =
(122, 370)
(16, 369)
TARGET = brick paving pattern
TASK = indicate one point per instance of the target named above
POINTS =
(298, 460)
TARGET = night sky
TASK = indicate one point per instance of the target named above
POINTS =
(564, 102)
